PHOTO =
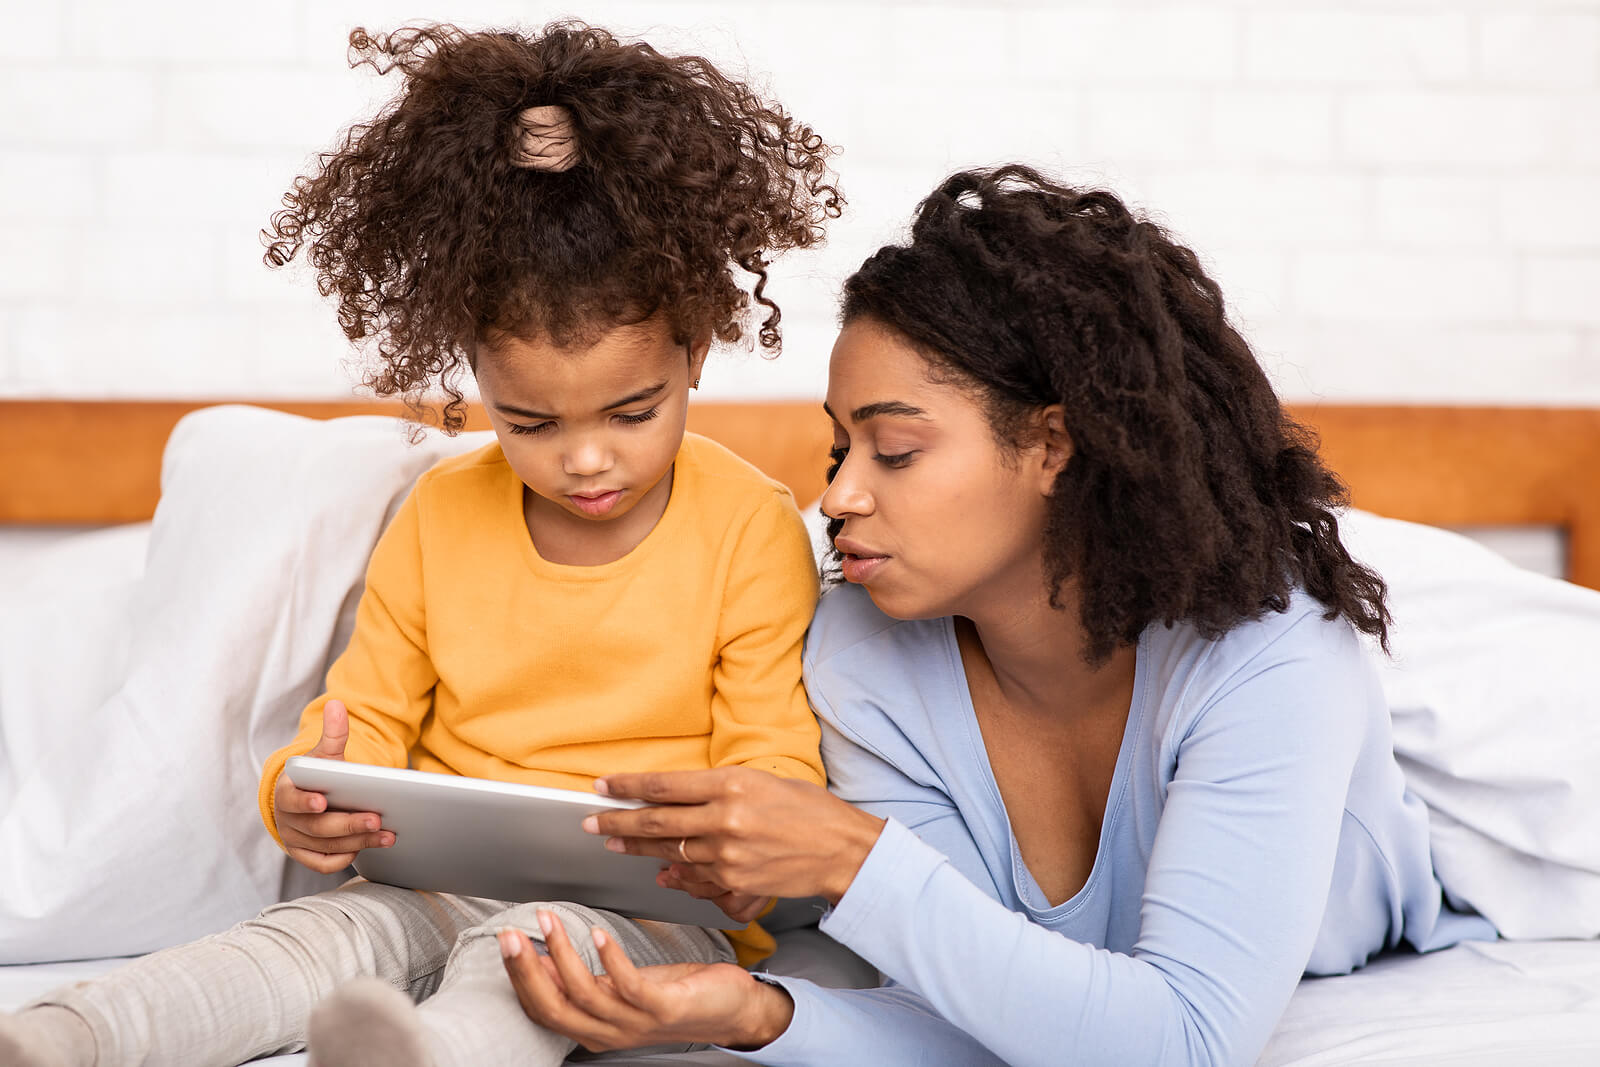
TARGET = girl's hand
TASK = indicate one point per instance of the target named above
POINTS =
(746, 831)
(326, 841)
(630, 1007)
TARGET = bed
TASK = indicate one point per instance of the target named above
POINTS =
(70, 464)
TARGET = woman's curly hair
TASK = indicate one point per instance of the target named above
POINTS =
(432, 238)
(1190, 495)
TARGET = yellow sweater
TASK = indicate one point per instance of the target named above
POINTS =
(473, 655)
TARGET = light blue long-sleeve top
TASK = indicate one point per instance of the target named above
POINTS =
(1257, 828)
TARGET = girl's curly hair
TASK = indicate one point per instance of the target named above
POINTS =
(431, 238)
(1190, 494)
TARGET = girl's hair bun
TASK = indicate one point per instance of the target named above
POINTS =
(545, 139)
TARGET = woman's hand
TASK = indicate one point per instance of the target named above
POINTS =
(740, 907)
(631, 1007)
(741, 830)
(326, 841)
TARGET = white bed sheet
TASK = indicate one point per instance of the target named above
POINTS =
(1475, 1005)
(1480, 1004)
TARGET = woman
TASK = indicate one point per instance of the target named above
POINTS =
(1118, 771)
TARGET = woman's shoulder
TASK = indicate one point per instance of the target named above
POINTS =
(1297, 650)
(849, 624)
(1302, 629)
(883, 684)
(856, 657)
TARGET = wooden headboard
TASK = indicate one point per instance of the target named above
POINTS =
(98, 462)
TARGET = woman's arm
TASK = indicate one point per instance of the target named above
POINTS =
(869, 1028)
(1234, 893)
(631, 1007)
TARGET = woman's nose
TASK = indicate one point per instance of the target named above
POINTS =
(845, 494)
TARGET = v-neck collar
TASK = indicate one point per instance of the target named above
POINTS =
(1024, 885)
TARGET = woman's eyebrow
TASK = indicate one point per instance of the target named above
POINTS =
(883, 407)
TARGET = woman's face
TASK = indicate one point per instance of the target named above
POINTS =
(939, 518)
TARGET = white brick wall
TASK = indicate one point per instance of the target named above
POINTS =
(1401, 198)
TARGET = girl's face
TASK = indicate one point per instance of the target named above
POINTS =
(592, 432)
(939, 519)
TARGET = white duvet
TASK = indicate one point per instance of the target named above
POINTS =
(1494, 690)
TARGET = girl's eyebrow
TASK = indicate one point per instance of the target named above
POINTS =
(897, 408)
(632, 398)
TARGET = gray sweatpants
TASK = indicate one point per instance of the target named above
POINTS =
(249, 991)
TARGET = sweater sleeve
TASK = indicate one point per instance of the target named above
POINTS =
(384, 676)
(759, 714)
(890, 1024)
(1233, 896)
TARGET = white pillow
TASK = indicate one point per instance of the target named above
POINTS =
(134, 739)
(1495, 694)
(64, 637)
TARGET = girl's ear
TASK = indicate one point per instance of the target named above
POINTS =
(1055, 444)
(697, 359)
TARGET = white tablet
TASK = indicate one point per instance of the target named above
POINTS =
(497, 840)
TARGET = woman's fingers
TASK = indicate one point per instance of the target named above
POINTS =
(743, 907)
(575, 974)
(701, 888)
(626, 981)
(740, 907)
(544, 996)
(534, 982)
(596, 999)
(662, 848)
(667, 787)
(747, 830)
(668, 824)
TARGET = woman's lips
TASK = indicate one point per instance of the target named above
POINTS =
(860, 568)
(595, 504)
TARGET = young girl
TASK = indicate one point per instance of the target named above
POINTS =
(596, 591)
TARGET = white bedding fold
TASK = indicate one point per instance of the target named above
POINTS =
(133, 743)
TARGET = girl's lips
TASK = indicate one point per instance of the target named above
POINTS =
(596, 505)
(861, 568)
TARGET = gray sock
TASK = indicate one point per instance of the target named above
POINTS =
(45, 1036)
(367, 1023)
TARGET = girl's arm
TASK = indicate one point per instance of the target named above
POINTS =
(759, 714)
(384, 676)
(1236, 887)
